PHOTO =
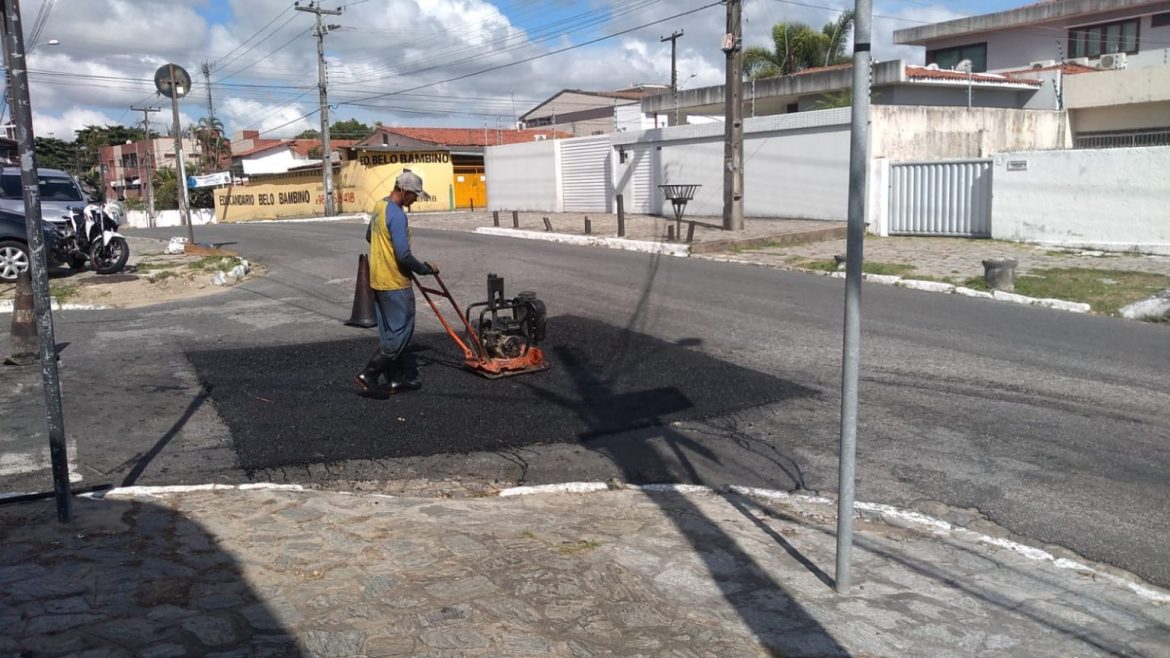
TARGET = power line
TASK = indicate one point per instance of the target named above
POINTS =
(220, 63)
(536, 57)
(255, 45)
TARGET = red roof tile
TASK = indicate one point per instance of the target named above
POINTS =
(923, 73)
(1069, 68)
(470, 136)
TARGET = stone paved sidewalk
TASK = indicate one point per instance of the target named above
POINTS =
(264, 572)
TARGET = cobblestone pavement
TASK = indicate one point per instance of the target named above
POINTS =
(277, 572)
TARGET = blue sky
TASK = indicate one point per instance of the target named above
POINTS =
(406, 62)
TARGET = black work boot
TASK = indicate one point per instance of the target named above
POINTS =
(405, 376)
(367, 379)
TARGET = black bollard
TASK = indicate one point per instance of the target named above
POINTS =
(515, 219)
(588, 226)
(621, 217)
(495, 218)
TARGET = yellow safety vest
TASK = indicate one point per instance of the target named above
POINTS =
(384, 271)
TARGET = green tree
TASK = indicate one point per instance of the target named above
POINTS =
(349, 129)
(310, 134)
(797, 46)
(53, 153)
(167, 190)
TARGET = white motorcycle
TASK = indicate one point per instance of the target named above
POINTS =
(92, 234)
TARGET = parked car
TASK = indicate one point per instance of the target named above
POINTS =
(59, 192)
(14, 254)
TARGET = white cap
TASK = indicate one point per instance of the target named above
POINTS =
(408, 181)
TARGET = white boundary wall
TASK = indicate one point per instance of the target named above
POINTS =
(795, 166)
(1113, 199)
(162, 218)
(523, 176)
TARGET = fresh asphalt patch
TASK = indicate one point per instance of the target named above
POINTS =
(297, 404)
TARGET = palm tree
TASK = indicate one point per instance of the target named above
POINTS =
(209, 132)
(797, 46)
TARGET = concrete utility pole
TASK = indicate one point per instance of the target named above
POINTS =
(851, 351)
(733, 122)
(326, 146)
(149, 161)
(673, 68)
(14, 58)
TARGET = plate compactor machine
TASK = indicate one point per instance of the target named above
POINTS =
(503, 341)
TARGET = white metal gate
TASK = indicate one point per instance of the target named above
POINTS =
(641, 159)
(586, 174)
(944, 197)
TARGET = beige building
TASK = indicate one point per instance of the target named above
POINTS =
(586, 112)
(124, 167)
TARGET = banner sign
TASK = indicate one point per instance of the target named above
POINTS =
(218, 178)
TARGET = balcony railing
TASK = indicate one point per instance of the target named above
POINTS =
(1123, 139)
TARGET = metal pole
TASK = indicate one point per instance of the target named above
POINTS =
(38, 265)
(184, 205)
(858, 168)
(733, 122)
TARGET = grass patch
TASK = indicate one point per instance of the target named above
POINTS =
(152, 267)
(977, 283)
(64, 291)
(577, 547)
(896, 269)
(1106, 291)
(868, 267)
(215, 263)
(818, 265)
(164, 275)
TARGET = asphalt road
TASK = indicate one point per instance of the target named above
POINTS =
(1051, 425)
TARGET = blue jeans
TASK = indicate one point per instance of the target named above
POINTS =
(394, 311)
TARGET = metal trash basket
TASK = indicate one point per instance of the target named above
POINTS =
(678, 195)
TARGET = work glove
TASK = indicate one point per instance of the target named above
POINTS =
(432, 269)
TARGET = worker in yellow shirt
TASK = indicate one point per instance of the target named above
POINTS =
(391, 264)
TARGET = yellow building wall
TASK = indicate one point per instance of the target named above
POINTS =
(270, 198)
(371, 178)
(359, 185)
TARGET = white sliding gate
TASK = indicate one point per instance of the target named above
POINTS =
(587, 174)
(944, 197)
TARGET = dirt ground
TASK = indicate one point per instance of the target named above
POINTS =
(151, 276)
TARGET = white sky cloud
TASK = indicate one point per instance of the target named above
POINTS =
(428, 71)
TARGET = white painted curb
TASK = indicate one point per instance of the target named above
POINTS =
(7, 304)
(644, 246)
(130, 492)
(336, 218)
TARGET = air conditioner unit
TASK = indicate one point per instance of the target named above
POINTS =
(1112, 61)
(539, 138)
(1042, 64)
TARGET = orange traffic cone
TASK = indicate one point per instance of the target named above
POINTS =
(24, 347)
(363, 297)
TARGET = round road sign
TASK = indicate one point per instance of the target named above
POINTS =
(172, 81)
